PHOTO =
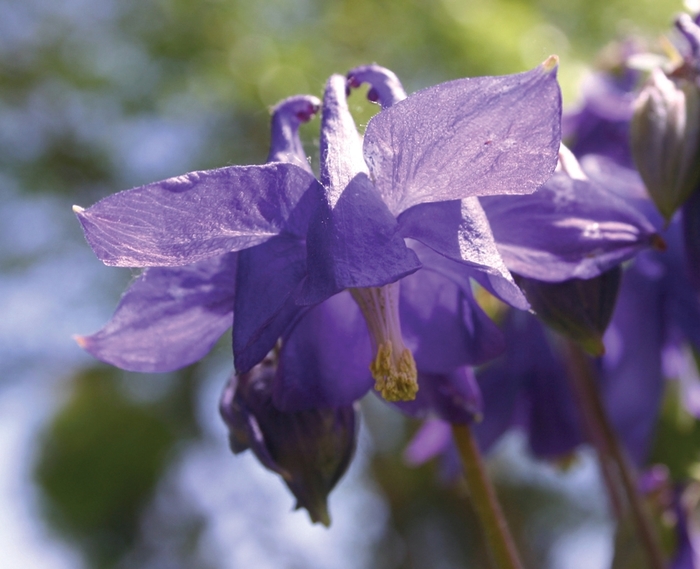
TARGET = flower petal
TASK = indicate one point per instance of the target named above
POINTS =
(459, 230)
(454, 397)
(324, 361)
(443, 326)
(469, 137)
(186, 219)
(354, 243)
(632, 366)
(268, 277)
(567, 229)
(169, 317)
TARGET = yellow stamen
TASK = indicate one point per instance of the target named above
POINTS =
(393, 368)
(395, 378)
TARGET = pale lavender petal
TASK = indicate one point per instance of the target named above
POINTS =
(469, 137)
(567, 229)
(623, 182)
(287, 115)
(186, 219)
(461, 273)
(324, 360)
(459, 230)
(169, 317)
(432, 439)
(385, 87)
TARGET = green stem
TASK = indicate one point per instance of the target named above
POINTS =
(612, 456)
(493, 523)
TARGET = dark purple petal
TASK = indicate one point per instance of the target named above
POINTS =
(169, 317)
(602, 125)
(469, 137)
(324, 360)
(567, 229)
(186, 219)
(442, 324)
(354, 243)
(269, 276)
(453, 396)
(528, 386)
(578, 308)
(691, 237)
(632, 375)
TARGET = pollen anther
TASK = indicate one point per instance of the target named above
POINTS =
(393, 368)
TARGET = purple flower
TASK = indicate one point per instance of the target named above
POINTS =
(464, 138)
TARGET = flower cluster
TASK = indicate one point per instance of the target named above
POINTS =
(362, 277)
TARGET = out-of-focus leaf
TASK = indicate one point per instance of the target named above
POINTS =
(98, 465)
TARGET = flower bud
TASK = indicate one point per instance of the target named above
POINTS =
(665, 140)
(580, 309)
(310, 449)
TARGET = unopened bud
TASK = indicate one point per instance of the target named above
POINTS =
(580, 309)
(309, 449)
(665, 140)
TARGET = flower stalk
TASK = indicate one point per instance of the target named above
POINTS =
(498, 538)
(618, 472)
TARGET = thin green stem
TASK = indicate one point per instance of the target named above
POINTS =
(612, 455)
(488, 510)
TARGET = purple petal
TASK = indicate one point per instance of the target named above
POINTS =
(459, 272)
(355, 243)
(632, 366)
(269, 275)
(567, 229)
(469, 137)
(186, 219)
(624, 182)
(459, 230)
(287, 115)
(691, 236)
(324, 361)
(169, 317)
(442, 324)
(454, 397)
(433, 438)
(528, 386)
(385, 87)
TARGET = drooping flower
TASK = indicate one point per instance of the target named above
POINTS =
(468, 137)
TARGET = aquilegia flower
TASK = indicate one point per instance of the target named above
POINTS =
(469, 137)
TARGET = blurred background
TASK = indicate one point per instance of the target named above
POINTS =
(108, 469)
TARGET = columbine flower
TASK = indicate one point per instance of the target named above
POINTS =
(468, 137)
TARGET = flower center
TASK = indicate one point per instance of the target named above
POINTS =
(393, 368)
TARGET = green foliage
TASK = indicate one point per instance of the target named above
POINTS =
(100, 461)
